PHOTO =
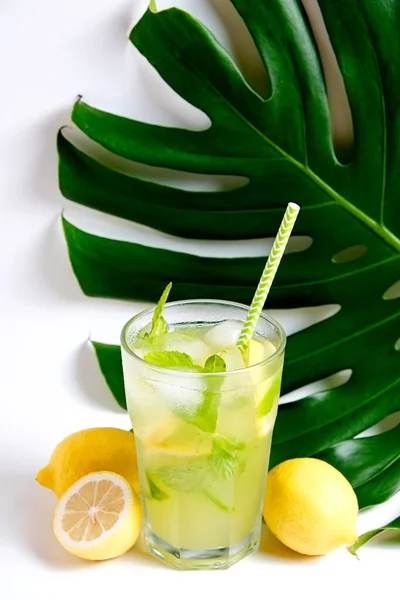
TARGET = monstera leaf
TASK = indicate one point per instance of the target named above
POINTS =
(282, 146)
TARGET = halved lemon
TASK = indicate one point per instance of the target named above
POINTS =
(99, 517)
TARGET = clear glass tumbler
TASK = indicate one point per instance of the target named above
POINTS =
(202, 480)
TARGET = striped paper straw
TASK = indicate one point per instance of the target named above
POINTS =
(268, 276)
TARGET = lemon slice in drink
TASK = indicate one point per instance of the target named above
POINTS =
(99, 517)
(259, 351)
(183, 441)
(187, 440)
(156, 434)
(268, 391)
(267, 404)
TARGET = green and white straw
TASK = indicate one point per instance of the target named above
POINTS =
(268, 276)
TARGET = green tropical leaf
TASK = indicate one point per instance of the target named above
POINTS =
(110, 363)
(371, 464)
(365, 537)
(282, 147)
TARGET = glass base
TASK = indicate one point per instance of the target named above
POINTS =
(217, 558)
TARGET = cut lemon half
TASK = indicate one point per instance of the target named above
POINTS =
(99, 517)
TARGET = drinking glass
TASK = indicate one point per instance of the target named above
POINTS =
(203, 439)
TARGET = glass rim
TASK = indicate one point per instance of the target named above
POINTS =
(187, 374)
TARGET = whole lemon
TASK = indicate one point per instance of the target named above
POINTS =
(83, 452)
(310, 506)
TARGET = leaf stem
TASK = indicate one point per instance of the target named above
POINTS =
(217, 502)
(379, 230)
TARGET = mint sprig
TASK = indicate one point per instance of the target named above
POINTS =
(198, 474)
(190, 477)
(225, 457)
(194, 476)
(158, 323)
(206, 415)
(159, 326)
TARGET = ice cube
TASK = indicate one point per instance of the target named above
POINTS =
(233, 358)
(147, 408)
(191, 345)
(141, 345)
(142, 349)
(223, 335)
(180, 394)
(237, 421)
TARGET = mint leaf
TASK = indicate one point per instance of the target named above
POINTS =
(194, 476)
(158, 323)
(156, 493)
(225, 457)
(151, 335)
(160, 328)
(206, 415)
(190, 477)
(160, 307)
(224, 464)
(169, 359)
(215, 364)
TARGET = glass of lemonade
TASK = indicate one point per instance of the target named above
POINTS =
(203, 415)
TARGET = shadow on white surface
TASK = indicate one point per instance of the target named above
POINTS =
(169, 177)
(386, 540)
(44, 173)
(386, 424)
(329, 383)
(91, 381)
(37, 526)
(243, 47)
(140, 557)
(297, 319)
(52, 263)
(273, 549)
(32, 531)
(117, 228)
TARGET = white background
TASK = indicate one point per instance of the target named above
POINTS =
(51, 386)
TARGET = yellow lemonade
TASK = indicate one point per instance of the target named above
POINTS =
(203, 415)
